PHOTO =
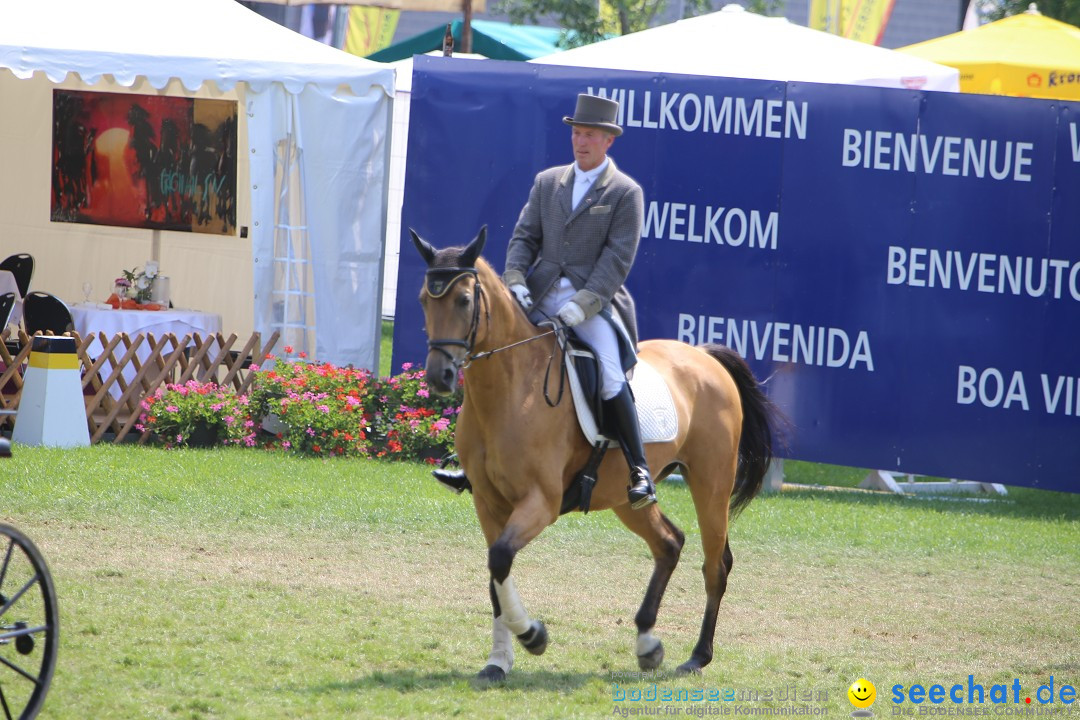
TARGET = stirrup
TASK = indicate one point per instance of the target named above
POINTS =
(639, 496)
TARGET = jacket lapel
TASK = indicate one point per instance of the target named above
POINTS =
(565, 191)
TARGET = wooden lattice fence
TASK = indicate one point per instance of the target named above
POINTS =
(119, 371)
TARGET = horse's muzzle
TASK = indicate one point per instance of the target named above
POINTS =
(440, 373)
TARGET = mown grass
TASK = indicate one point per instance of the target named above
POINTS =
(242, 584)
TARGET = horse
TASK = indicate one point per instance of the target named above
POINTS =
(521, 454)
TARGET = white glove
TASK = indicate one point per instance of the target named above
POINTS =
(521, 294)
(571, 314)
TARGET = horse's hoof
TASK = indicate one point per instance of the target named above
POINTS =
(651, 660)
(689, 668)
(535, 639)
(491, 675)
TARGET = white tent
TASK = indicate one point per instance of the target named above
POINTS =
(314, 131)
(735, 43)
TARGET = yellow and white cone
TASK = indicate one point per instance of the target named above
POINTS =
(51, 409)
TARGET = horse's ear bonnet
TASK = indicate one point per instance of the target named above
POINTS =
(440, 279)
(472, 252)
(423, 247)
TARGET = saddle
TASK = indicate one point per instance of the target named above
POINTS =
(652, 399)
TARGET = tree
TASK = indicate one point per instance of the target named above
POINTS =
(1064, 10)
(587, 21)
(765, 7)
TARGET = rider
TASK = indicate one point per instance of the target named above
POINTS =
(573, 247)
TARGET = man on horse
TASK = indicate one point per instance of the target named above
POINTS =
(573, 247)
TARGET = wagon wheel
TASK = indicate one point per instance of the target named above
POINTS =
(29, 626)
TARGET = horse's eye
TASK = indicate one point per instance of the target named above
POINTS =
(464, 299)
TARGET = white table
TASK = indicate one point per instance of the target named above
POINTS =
(90, 318)
(8, 284)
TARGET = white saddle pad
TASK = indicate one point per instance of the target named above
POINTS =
(655, 408)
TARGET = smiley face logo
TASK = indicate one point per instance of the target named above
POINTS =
(862, 693)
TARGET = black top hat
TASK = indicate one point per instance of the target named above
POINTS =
(597, 112)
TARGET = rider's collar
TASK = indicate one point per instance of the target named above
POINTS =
(440, 280)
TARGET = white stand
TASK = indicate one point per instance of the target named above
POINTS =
(886, 480)
(51, 408)
(774, 478)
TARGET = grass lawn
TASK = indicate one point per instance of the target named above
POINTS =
(243, 584)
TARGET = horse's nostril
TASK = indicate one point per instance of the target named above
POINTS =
(448, 377)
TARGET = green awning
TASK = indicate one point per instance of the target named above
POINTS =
(495, 40)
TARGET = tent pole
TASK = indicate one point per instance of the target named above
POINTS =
(466, 30)
(341, 26)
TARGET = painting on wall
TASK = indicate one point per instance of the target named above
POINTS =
(144, 161)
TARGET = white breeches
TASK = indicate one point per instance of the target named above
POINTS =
(596, 331)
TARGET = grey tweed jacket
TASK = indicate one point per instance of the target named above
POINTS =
(593, 245)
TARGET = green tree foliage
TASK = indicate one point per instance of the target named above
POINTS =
(1063, 10)
(766, 7)
(587, 21)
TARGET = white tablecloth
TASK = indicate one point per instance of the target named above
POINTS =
(8, 284)
(92, 318)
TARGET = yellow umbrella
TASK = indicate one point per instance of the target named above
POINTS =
(1026, 55)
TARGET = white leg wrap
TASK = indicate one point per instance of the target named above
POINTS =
(646, 643)
(513, 613)
(502, 646)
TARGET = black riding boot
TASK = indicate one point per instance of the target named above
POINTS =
(642, 492)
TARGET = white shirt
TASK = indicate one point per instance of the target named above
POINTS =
(583, 179)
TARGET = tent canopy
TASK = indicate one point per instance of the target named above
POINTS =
(193, 40)
(1027, 55)
(495, 40)
(735, 43)
(311, 174)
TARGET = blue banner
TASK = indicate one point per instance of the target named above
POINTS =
(904, 266)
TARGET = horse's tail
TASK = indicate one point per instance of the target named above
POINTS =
(759, 418)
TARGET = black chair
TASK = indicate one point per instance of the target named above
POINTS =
(22, 267)
(7, 304)
(46, 313)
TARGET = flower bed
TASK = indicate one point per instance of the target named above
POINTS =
(315, 409)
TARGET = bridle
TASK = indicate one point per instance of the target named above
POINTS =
(438, 282)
